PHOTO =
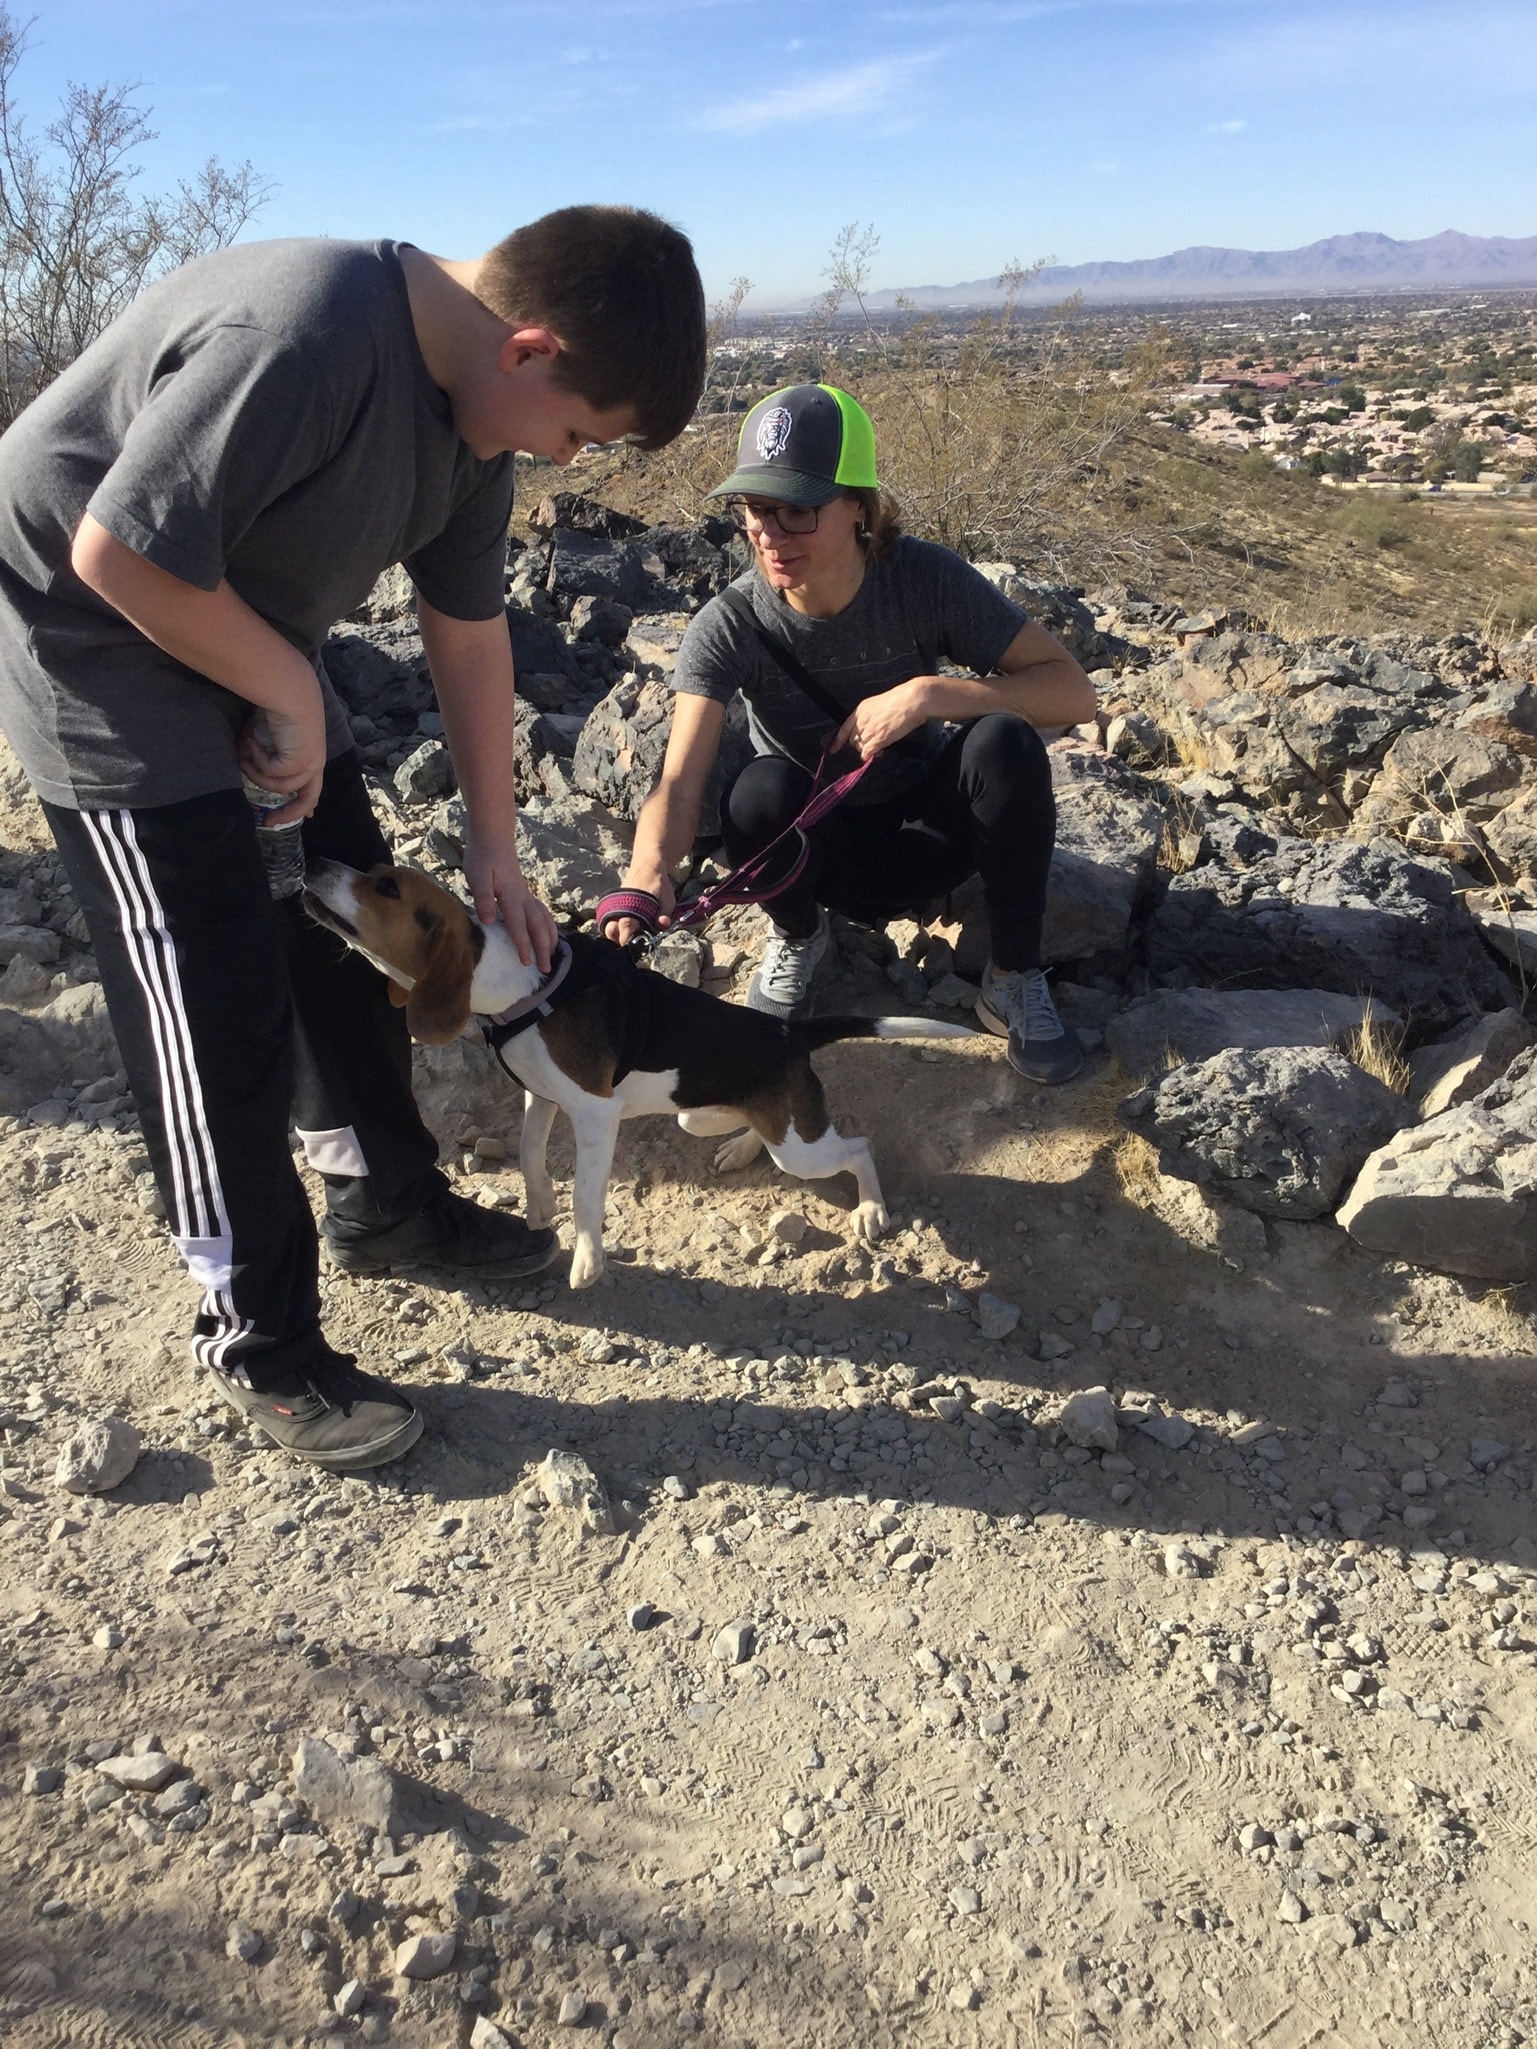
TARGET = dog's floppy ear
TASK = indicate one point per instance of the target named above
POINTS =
(438, 1007)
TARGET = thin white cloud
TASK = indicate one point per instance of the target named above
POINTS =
(1225, 127)
(857, 89)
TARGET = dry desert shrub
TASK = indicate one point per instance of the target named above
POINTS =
(1376, 1047)
(997, 443)
(1136, 1169)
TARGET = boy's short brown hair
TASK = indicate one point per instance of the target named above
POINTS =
(621, 289)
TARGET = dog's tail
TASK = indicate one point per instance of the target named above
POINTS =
(812, 1032)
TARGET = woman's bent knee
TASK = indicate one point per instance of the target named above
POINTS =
(766, 796)
(1002, 750)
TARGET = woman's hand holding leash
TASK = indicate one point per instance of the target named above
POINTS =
(623, 930)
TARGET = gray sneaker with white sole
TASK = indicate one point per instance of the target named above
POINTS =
(782, 985)
(1018, 1007)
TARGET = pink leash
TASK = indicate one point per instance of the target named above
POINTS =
(742, 885)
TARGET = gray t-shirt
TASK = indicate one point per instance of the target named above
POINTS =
(922, 604)
(263, 416)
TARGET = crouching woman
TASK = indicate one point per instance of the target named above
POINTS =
(835, 634)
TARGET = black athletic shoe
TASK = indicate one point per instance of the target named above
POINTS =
(448, 1231)
(329, 1413)
(1018, 1007)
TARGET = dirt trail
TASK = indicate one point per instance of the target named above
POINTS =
(1029, 1743)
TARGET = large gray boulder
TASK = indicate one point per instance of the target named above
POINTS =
(1506, 711)
(1459, 1192)
(1280, 1131)
(590, 566)
(1343, 725)
(1176, 1025)
(1512, 838)
(1456, 1069)
(1461, 776)
(1109, 829)
(619, 751)
(380, 670)
(1362, 920)
(568, 848)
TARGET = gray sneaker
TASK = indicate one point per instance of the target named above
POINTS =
(1019, 1007)
(782, 985)
(329, 1413)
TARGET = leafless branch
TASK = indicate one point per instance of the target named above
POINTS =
(77, 242)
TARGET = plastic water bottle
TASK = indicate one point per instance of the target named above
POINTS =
(282, 846)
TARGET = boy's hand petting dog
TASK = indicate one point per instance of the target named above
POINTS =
(287, 751)
(496, 884)
(877, 723)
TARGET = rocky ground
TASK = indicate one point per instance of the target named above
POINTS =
(1104, 1611)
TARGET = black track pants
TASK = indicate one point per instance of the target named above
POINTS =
(986, 808)
(232, 1014)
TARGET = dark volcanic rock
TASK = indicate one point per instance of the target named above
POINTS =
(583, 515)
(619, 754)
(1343, 725)
(1109, 827)
(1281, 1132)
(538, 647)
(586, 566)
(380, 670)
(1365, 920)
(1194, 1024)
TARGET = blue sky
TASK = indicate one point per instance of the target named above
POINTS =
(968, 132)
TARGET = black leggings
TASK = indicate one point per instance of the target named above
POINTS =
(986, 808)
(232, 1013)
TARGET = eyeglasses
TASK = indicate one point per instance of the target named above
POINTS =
(790, 519)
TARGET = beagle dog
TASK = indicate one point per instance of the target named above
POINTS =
(603, 1040)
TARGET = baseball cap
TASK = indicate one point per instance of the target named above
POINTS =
(804, 445)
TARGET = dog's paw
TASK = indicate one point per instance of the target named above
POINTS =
(538, 1208)
(587, 1265)
(870, 1222)
(740, 1151)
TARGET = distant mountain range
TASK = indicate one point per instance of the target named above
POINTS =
(1341, 263)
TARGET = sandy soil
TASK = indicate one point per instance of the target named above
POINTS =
(1007, 1712)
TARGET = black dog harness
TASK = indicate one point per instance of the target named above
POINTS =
(591, 966)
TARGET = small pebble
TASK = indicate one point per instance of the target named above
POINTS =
(426, 1956)
(733, 1645)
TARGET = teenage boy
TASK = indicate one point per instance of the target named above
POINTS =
(184, 515)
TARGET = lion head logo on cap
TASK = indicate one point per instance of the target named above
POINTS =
(774, 432)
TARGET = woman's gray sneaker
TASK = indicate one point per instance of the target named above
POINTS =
(1019, 1007)
(782, 985)
(329, 1413)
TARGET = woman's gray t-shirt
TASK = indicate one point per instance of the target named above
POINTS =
(922, 605)
(263, 416)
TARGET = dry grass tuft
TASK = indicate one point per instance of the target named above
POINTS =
(1136, 1169)
(1180, 847)
(1376, 1048)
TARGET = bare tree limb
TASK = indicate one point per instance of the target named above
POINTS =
(77, 243)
